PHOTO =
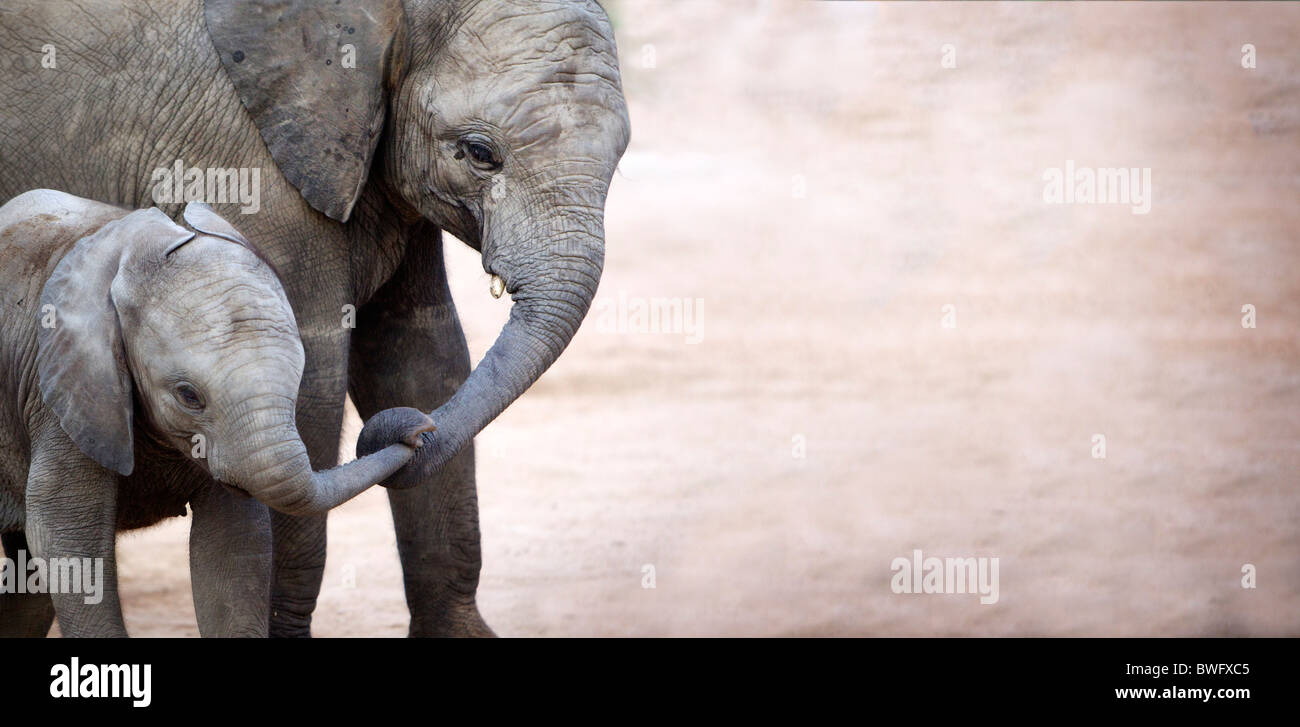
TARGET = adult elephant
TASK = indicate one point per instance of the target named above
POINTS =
(375, 126)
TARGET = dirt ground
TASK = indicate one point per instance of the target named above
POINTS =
(815, 182)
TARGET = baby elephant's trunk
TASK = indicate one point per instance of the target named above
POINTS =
(277, 471)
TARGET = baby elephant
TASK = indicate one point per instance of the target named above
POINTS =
(147, 366)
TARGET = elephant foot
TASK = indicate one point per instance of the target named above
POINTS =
(23, 615)
(289, 620)
(461, 622)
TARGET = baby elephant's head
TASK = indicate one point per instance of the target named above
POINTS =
(197, 325)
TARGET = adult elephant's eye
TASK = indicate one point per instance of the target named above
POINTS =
(188, 396)
(481, 155)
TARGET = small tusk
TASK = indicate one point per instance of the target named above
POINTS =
(498, 286)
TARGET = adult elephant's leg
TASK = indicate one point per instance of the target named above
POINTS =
(230, 563)
(26, 615)
(299, 542)
(408, 349)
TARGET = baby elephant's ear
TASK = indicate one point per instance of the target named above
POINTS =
(202, 218)
(80, 358)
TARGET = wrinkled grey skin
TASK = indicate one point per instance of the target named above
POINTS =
(361, 168)
(125, 337)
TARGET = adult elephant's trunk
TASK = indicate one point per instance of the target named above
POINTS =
(550, 257)
(272, 466)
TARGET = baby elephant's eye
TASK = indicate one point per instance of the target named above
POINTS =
(188, 396)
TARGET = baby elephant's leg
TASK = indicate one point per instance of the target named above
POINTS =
(71, 527)
(230, 563)
(23, 615)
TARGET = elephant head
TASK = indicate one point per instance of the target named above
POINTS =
(500, 121)
(195, 328)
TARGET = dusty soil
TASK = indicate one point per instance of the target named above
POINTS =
(824, 187)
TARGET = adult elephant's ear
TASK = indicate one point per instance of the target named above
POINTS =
(80, 356)
(313, 76)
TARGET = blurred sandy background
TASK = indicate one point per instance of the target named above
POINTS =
(821, 319)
